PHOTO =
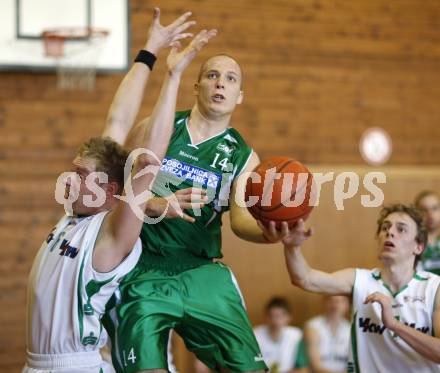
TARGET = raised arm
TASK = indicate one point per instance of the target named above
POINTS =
(128, 98)
(301, 274)
(122, 226)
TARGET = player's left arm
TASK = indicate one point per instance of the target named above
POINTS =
(128, 98)
(243, 223)
(426, 345)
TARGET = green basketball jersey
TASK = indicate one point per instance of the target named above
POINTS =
(431, 257)
(174, 245)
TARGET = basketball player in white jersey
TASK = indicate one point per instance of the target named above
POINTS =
(78, 267)
(396, 310)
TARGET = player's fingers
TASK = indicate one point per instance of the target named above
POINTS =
(156, 15)
(374, 297)
(183, 27)
(175, 47)
(180, 20)
(284, 228)
(187, 218)
(197, 38)
(299, 226)
(207, 36)
(182, 36)
(202, 39)
(261, 225)
(191, 205)
(191, 190)
(192, 197)
(272, 228)
(212, 33)
(368, 299)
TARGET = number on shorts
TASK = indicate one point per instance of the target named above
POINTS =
(132, 356)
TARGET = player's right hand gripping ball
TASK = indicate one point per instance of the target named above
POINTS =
(280, 189)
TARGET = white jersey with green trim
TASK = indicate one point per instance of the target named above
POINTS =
(374, 348)
(333, 344)
(66, 296)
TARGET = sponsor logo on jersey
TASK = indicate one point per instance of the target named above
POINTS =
(259, 357)
(370, 327)
(225, 149)
(50, 236)
(188, 172)
(67, 250)
(423, 329)
(90, 339)
(186, 155)
(415, 299)
(230, 138)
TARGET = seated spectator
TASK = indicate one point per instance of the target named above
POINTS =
(328, 337)
(428, 202)
(281, 345)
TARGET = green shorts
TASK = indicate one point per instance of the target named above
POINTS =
(203, 305)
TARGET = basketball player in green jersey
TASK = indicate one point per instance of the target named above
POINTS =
(178, 283)
(428, 202)
(396, 310)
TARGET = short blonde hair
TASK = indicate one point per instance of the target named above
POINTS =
(110, 158)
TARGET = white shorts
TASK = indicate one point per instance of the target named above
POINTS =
(78, 362)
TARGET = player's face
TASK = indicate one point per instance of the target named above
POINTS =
(430, 208)
(277, 318)
(83, 166)
(336, 306)
(397, 239)
(219, 88)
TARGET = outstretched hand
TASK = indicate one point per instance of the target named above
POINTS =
(290, 237)
(185, 199)
(177, 60)
(174, 205)
(163, 36)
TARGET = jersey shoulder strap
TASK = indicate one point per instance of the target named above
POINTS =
(180, 117)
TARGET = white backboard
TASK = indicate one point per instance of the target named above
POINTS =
(22, 23)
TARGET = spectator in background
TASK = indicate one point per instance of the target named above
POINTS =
(281, 345)
(428, 202)
(328, 336)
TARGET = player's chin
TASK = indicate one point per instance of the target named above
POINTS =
(385, 255)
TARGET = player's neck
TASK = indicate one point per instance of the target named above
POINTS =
(396, 276)
(204, 125)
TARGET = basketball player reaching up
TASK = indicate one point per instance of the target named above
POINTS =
(177, 284)
(78, 267)
(395, 308)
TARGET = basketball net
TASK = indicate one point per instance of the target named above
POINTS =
(76, 63)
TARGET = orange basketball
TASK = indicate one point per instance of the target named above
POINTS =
(280, 190)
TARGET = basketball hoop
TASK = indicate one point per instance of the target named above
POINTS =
(76, 51)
